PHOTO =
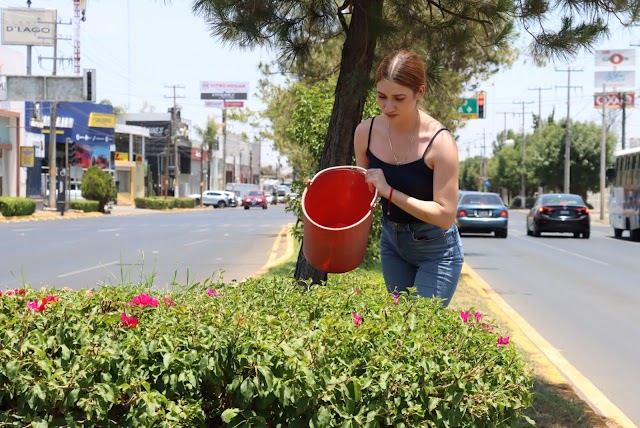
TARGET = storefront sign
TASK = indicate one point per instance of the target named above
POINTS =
(122, 156)
(27, 156)
(101, 120)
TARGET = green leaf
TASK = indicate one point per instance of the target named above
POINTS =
(228, 415)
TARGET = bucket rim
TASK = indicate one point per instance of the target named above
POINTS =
(358, 169)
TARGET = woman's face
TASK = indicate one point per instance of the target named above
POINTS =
(397, 100)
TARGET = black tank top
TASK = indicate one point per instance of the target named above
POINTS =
(414, 179)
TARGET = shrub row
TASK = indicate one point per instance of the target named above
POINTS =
(162, 203)
(12, 206)
(264, 353)
(86, 206)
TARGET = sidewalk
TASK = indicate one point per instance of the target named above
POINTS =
(44, 213)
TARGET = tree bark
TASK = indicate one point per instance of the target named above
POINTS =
(350, 96)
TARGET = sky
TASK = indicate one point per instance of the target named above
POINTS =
(141, 48)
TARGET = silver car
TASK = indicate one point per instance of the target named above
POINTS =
(214, 198)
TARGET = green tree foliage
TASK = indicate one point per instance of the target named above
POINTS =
(209, 137)
(470, 171)
(98, 185)
(294, 27)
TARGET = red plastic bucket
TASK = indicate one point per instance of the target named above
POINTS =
(337, 207)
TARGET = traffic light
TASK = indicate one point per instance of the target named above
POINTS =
(72, 153)
(480, 98)
(89, 85)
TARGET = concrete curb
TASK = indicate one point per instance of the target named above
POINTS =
(556, 368)
(281, 251)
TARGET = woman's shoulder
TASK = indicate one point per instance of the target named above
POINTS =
(363, 127)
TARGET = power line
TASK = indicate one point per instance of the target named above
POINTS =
(539, 89)
(524, 136)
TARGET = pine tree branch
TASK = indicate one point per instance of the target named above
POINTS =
(446, 11)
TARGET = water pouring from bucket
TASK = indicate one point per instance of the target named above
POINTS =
(337, 208)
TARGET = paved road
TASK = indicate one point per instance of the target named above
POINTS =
(583, 296)
(191, 246)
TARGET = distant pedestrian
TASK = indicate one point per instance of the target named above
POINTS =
(412, 160)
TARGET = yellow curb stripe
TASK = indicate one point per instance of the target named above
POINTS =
(274, 260)
(558, 369)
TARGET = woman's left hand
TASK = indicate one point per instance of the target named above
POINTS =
(376, 179)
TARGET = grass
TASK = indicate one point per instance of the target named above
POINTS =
(555, 403)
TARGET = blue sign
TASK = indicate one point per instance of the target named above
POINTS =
(487, 183)
(73, 122)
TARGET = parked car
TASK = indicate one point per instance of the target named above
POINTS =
(233, 198)
(559, 212)
(255, 198)
(482, 212)
(214, 198)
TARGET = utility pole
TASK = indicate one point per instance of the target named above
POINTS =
(603, 148)
(224, 148)
(567, 141)
(523, 187)
(622, 96)
(484, 160)
(505, 113)
(174, 141)
(540, 121)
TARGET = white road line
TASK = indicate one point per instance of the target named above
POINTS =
(563, 251)
(196, 242)
(200, 230)
(75, 272)
(109, 230)
(22, 230)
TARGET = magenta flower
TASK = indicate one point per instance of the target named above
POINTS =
(128, 321)
(33, 305)
(167, 301)
(0, 293)
(478, 316)
(464, 315)
(502, 341)
(356, 291)
(213, 293)
(487, 327)
(357, 319)
(396, 298)
(143, 300)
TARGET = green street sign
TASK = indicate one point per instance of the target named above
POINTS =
(468, 108)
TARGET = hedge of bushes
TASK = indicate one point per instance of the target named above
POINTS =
(162, 203)
(263, 353)
(11, 206)
(86, 206)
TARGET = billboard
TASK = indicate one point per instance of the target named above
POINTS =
(615, 79)
(615, 57)
(29, 27)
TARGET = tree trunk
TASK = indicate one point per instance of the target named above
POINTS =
(350, 96)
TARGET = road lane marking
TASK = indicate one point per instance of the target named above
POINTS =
(566, 372)
(23, 230)
(75, 272)
(196, 242)
(571, 253)
(109, 230)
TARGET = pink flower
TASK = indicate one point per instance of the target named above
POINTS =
(128, 321)
(0, 293)
(143, 300)
(487, 327)
(396, 298)
(9, 292)
(88, 293)
(502, 341)
(356, 291)
(464, 315)
(213, 293)
(50, 298)
(167, 301)
(357, 319)
(478, 316)
(21, 292)
(33, 305)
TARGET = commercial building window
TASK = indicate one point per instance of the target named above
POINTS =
(124, 181)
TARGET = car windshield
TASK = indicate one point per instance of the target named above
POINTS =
(561, 200)
(255, 193)
(481, 199)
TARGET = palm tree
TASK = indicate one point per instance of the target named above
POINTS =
(209, 137)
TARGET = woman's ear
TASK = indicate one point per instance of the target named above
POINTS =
(421, 91)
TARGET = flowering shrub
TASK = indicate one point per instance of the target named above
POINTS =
(261, 353)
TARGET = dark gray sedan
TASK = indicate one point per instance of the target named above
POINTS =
(482, 212)
(559, 212)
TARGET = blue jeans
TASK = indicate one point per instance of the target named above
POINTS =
(423, 256)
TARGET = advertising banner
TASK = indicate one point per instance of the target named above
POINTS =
(29, 27)
(613, 100)
(615, 79)
(616, 57)
(27, 156)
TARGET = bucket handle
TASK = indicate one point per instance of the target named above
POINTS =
(353, 167)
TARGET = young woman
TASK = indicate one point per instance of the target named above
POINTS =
(412, 160)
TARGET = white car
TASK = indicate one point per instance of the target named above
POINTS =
(214, 198)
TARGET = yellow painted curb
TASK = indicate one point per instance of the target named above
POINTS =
(555, 367)
(274, 260)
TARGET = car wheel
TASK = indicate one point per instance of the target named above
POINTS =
(197, 202)
(246, 207)
(264, 207)
(221, 204)
(536, 231)
(585, 235)
(576, 234)
(635, 234)
(617, 233)
(502, 233)
(529, 232)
